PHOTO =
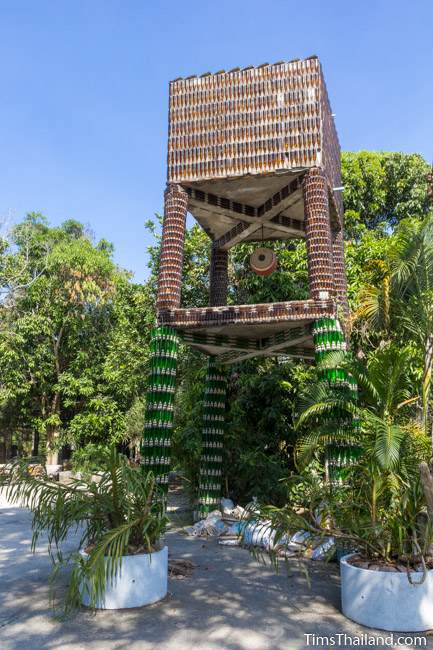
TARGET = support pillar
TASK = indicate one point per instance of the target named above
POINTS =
(327, 279)
(171, 257)
(214, 402)
(218, 277)
(318, 235)
(156, 443)
(343, 449)
(340, 280)
(214, 407)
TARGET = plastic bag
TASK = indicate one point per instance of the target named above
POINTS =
(324, 550)
(259, 533)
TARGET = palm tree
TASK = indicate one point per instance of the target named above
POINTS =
(384, 391)
(124, 513)
(374, 300)
(413, 286)
(400, 298)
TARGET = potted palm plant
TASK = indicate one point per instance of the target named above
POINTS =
(120, 561)
(380, 510)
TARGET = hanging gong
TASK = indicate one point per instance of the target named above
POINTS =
(263, 261)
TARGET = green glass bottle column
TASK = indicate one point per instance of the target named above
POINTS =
(214, 401)
(156, 442)
(343, 450)
(214, 406)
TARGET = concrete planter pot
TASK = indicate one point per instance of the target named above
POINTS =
(142, 580)
(386, 600)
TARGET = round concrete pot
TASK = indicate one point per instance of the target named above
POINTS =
(142, 580)
(386, 600)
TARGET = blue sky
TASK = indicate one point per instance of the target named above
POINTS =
(83, 114)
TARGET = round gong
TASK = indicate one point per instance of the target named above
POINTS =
(263, 261)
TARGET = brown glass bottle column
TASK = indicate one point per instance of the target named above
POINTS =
(155, 447)
(171, 258)
(318, 235)
(340, 279)
(214, 402)
(218, 277)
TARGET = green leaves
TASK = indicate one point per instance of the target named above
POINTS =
(382, 188)
(388, 439)
(124, 512)
(73, 343)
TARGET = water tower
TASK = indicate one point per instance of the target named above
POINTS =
(253, 155)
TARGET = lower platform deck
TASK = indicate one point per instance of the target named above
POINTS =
(239, 332)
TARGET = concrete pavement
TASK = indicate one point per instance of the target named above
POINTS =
(229, 603)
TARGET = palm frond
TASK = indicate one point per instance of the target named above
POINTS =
(125, 508)
(388, 440)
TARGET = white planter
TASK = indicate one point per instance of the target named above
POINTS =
(142, 580)
(386, 600)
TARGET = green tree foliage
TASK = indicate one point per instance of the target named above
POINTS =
(396, 303)
(382, 188)
(73, 342)
(261, 435)
(75, 329)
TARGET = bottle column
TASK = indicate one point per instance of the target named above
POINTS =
(318, 235)
(218, 277)
(340, 280)
(155, 447)
(343, 449)
(214, 403)
(326, 282)
(171, 257)
(211, 460)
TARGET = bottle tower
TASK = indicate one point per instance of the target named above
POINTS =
(253, 155)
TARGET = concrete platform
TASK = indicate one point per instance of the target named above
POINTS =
(230, 602)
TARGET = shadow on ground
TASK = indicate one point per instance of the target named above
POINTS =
(231, 602)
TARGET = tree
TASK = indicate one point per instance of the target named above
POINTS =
(73, 349)
(382, 188)
(23, 256)
(384, 397)
(396, 301)
(413, 280)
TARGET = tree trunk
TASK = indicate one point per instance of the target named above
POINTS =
(426, 381)
(53, 433)
(6, 446)
(35, 450)
(427, 484)
(52, 452)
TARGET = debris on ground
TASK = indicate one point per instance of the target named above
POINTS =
(53, 471)
(66, 477)
(180, 569)
(229, 541)
(36, 469)
(259, 533)
(235, 528)
(298, 541)
(212, 526)
(231, 527)
(325, 550)
(227, 506)
(230, 511)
